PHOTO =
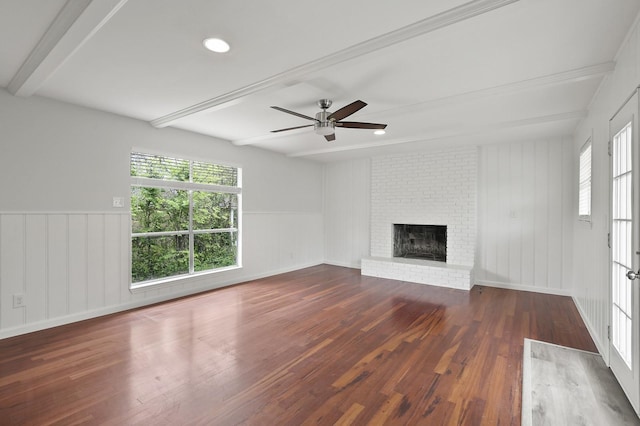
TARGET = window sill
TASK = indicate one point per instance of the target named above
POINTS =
(585, 222)
(176, 280)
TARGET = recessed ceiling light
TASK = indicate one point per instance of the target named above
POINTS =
(379, 132)
(216, 45)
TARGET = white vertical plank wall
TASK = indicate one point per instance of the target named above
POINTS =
(12, 268)
(57, 265)
(524, 222)
(62, 263)
(36, 262)
(515, 177)
(526, 238)
(77, 263)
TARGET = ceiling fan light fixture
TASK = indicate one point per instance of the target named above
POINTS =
(216, 45)
(324, 128)
(379, 132)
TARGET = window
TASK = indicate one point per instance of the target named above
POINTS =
(584, 197)
(184, 217)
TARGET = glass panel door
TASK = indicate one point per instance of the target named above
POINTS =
(625, 251)
(622, 227)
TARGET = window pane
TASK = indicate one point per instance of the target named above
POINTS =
(159, 257)
(158, 210)
(154, 166)
(214, 210)
(214, 174)
(584, 197)
(214, 250)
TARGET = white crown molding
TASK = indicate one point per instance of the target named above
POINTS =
(77, 22)
(452, 133)
(563, 77)
(432, 23)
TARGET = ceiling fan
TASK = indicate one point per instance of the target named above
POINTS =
(325, 121)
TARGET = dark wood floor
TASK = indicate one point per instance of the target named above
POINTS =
(322, 345)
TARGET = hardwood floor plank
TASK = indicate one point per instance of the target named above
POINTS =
(387, 409)
(350, 416)
(322, 345)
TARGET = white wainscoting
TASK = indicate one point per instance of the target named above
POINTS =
(72, 266)
(525, 216)
(63, 263)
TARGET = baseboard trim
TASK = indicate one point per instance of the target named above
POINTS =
(108, 310)
(602, 349)
(522, 287)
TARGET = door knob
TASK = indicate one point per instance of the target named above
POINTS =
(633, 275)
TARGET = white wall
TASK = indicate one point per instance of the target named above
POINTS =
(66, 248)
(347, 212)
(591, 254)
(525, 216)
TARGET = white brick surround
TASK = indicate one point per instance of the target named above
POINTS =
(429, 188)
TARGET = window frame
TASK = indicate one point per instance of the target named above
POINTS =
(585, 183)
(190, 187)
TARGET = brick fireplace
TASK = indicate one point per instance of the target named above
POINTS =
(430, 188)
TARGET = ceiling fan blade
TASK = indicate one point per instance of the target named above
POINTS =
(291, 128)
(359, 125)
(331, 137)
(297, 114)
(346, 111)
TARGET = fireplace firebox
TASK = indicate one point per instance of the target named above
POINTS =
(427, 242)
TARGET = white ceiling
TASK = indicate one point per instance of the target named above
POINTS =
(438, 72)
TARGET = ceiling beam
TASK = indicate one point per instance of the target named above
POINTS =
(77, 22)
(454, 132)
(427, 25)
(563, 77)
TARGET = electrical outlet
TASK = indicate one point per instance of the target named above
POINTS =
(18, 300)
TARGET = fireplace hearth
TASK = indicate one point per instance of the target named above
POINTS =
(427, 242)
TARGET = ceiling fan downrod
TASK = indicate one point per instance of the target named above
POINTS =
(323, 125)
